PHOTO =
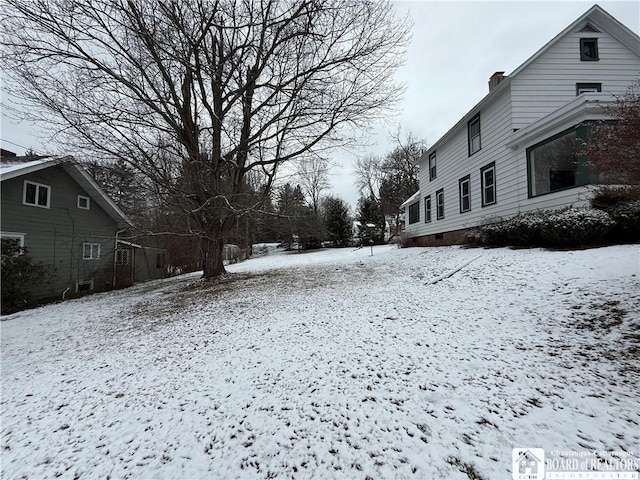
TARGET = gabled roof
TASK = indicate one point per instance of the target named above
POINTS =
(596, 17)
(13, 167)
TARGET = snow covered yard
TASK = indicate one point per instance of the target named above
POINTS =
(332, 364)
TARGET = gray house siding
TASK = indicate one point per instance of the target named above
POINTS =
(56, 235)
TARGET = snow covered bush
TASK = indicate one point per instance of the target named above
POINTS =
(549, 228)
(622, 203)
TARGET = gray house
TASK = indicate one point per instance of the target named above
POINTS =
(55, 209)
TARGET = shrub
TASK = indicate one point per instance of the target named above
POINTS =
(19, 275)
(622, 203)
(545, 228)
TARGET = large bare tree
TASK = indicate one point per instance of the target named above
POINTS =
(313, 175)
(199, 96)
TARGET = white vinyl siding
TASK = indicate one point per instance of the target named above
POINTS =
(455, 163)
(542, 87)
(550, 81)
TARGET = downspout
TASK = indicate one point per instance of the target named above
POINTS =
(115, 256)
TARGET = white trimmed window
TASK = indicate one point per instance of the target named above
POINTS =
(84, 202)
(17, 237)
(36, 194)
(91, 251)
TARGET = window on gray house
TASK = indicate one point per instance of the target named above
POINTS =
(36, 194)
(91, 251)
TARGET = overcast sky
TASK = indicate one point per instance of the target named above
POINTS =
(456, 47)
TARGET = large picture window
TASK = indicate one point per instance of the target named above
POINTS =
(555, 164)
(414, 212)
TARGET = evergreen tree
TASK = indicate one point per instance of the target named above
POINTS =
(371, 218)
(337, 222)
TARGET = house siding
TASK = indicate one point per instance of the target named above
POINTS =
(453, 163)
(55, 235)
(550, 80)
(541, 87)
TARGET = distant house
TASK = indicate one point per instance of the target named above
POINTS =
(516, 150)
(54, 208)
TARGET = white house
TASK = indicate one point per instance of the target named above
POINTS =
(515, 150)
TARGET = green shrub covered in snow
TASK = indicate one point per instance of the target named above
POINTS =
(546, 228)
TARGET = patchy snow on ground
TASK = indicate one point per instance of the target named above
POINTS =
(408, 363)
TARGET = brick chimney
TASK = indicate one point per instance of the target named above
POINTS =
(6, 153)
(495, 80)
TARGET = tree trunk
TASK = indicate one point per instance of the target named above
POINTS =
(212, 250)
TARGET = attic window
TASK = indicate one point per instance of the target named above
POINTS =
(84, 202)
(589, 49)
